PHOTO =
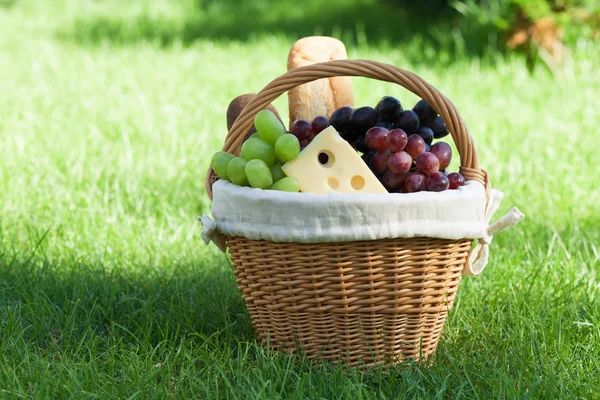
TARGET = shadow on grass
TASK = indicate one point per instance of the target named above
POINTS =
(48, 304)
(423, 29)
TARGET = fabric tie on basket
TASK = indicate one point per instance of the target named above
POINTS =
(210, 233)
(478, 260)
(313, 218)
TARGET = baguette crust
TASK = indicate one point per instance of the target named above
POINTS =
(323, 96)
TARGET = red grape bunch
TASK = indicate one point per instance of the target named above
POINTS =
(398, 146)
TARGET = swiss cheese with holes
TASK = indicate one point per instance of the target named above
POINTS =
(330, 164)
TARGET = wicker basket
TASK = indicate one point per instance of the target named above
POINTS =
(367, 302)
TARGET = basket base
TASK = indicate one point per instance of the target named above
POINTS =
(361, 303)
(352, 339)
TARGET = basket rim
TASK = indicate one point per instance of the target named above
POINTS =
(335, 217)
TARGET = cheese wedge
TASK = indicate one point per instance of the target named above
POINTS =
(330, 164)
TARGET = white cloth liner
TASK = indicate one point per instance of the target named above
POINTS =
(314, 218)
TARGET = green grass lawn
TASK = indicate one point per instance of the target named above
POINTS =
(107, 290)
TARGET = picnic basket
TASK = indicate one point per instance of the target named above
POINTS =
(366, 302)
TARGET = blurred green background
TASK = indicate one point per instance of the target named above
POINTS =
(433, 31)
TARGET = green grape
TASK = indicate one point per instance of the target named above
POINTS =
(277, 172)
(219, 163)
(287, 184)
(255, 135)
(259, 174)
(268, 126)
(287, 147)
(254, 149)
(237, 171)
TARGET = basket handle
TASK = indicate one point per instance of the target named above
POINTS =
(469, 163)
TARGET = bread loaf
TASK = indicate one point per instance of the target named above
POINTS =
(324, 96)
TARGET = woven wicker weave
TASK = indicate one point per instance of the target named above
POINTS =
(365, 302)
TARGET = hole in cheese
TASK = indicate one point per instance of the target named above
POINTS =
(333, 182)
(326, 158)
(357, 182)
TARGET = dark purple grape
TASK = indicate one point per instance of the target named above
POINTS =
(340, 118)
(348, 136)
(437, 182)
(439, 128)
(393, 181)
(426, 134)
(304, 143)
(427, 147)
(376, 138)
(408, 121)
(351, 135)
(443, 152)
(455, 180)
(388, 108)
(362, 119)
(302, 130)
(383, 124)
(425, 112)
(361, 144)
(415, 182)
(428, 163)
(319, 123)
